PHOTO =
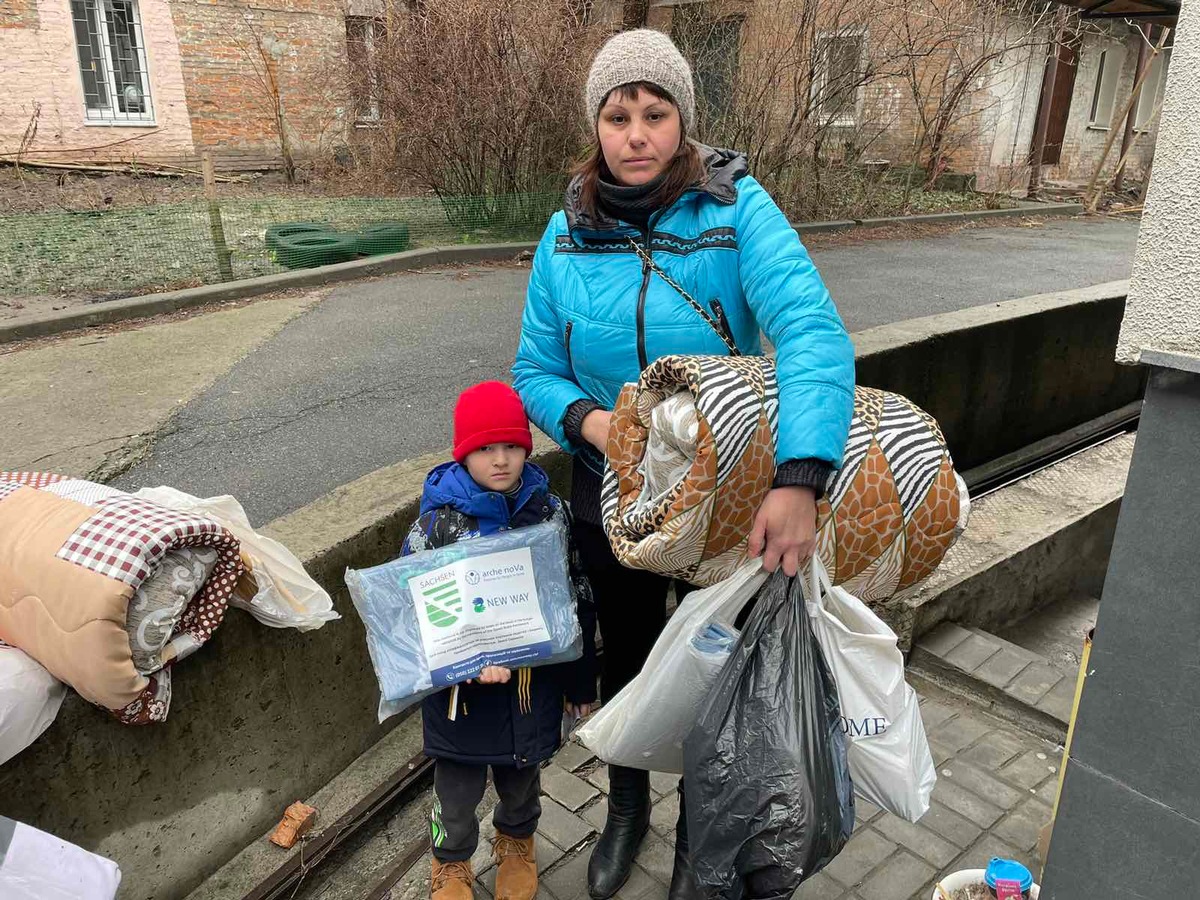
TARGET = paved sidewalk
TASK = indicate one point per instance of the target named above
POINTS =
(995, 788)
(86, 403)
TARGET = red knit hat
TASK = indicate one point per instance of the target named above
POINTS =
(489, 413)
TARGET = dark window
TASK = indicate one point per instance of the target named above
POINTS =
(712, 47)
(839, 75)
(364, 34)
(1105, 92)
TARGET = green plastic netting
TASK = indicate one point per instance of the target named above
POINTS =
(137, 249)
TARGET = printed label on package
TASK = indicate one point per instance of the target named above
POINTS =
(479, 612)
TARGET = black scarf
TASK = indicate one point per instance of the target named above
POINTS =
(633, 204)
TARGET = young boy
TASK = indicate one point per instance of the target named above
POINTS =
(510, 721)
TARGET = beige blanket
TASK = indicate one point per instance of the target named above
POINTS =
(72, 555)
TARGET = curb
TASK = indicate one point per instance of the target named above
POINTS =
(112, 311)
(1047, 724)
(1048, 209)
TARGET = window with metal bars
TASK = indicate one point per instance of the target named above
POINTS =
(112, 61)
(712, 46)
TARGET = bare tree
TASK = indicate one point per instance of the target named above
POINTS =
(790, 84)
(482, 102)
(263, 54)
(27, 138)
(946, 51)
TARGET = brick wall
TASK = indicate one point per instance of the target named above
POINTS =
(18, 14)
(41, 71)
(305, 42)
(996, 121)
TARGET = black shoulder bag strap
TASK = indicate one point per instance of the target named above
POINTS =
(721, 329)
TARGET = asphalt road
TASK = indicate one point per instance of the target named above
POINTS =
(369, 376)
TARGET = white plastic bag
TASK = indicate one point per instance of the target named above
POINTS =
(35, 865)
(29, 701)
(890, 761)
(287, 596)
(644, 726)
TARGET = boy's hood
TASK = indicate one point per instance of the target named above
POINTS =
(450, 484)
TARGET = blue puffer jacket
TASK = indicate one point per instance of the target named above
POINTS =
(519, 723)
(595, 316)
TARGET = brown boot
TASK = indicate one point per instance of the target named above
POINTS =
(516, 875)
(451, 881)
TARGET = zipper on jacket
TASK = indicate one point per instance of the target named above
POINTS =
(719, 312)
(641, 308)
(567, 340)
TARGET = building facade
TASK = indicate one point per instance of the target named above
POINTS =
(160, 81)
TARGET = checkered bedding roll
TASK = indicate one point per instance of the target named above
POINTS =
(123, 541)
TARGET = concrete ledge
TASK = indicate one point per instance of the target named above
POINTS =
(1003, 376)
(803, 228)
(1025, 210)
(260, 859)
(1049, 209)
(1026, 545)
(172, 301)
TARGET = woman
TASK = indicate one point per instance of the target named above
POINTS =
(597, 314)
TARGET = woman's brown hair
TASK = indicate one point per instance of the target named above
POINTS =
(685, 170)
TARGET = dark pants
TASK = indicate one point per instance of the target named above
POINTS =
(458, 788)
(631, 605)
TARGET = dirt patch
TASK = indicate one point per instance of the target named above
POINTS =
(25, 190)
(913, 232)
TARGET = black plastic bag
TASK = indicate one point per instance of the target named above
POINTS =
(769, 797)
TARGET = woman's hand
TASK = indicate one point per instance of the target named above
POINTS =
(785, 529)
(595, 428)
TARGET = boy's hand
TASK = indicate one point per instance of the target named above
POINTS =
(494, 675)
(581, 710)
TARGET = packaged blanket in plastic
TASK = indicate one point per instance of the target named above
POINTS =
(439, 617)
(30, 698)
(108, 591)
(35, 865)
(691, 452)
(644, 726)
(770, 800)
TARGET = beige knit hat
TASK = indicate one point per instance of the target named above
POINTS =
(642, 55)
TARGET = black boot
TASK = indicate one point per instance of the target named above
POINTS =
(628, 821)
(683, 878)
